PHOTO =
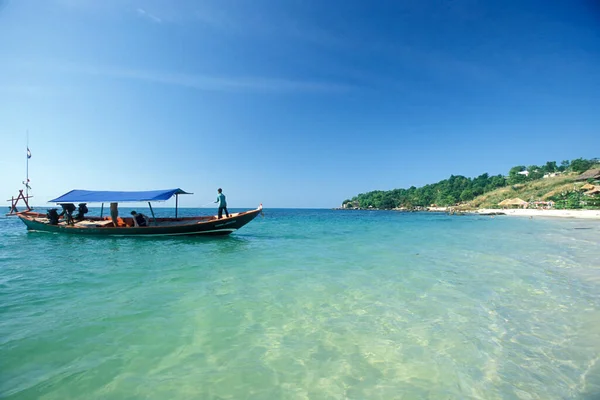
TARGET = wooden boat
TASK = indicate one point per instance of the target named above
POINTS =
(104, 226)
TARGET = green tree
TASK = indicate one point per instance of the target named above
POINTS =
(514, 176)
(564, 165)
(387, 203)
(535, 172)
(467, 195)
(581, 165)
(550, 167)
(573, 200)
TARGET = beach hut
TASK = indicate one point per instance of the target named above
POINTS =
(518, 202)
(589, 174)
(505, 202)
(595, 190)
(542, 204)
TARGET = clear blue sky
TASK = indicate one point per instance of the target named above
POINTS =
(291, 103)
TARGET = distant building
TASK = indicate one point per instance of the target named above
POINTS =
(526, 173)
(552, 174)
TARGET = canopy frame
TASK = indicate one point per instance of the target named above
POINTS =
(93, 196)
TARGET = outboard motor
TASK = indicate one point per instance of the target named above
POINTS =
(81, 210)
(52, 216)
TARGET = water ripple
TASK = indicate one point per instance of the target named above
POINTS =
(306, 304)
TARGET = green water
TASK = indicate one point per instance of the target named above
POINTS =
(306, 304)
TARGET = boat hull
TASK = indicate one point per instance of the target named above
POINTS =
(209, 226)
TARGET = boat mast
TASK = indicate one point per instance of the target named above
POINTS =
(27, 156)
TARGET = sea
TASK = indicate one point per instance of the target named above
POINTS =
(306, 304)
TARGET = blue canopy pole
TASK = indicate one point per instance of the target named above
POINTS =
(176, 201)
(102, 210)
(152, 211)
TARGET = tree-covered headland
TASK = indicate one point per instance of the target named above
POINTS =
(551, 181)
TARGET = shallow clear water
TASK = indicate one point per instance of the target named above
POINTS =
(305, 304)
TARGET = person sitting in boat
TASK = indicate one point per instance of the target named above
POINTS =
(52, 216)
(81, 210)
(139, 219)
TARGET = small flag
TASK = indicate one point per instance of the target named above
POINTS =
(28, 153)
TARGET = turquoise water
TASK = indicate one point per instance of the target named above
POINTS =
(306, 304)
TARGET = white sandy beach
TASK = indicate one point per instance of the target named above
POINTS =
(585, 214)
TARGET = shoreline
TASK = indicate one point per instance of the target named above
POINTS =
(579, 214)
(517, 212)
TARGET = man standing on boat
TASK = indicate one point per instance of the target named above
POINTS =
(222, 203)
(114, 213)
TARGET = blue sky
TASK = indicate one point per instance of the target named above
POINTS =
(291, 103)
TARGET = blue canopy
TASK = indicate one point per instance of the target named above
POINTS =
(93, 196)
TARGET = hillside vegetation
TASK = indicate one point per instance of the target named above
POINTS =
(545, 189)
(534, 183)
